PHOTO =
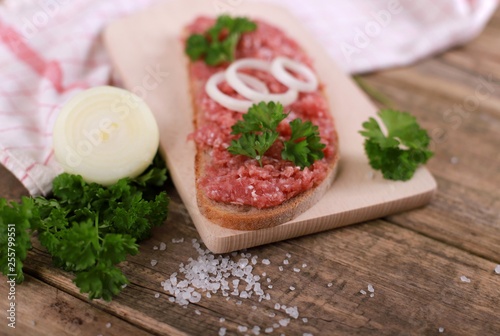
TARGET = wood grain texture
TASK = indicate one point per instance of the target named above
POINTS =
(413, 259)
(355, 195)
(45, 310)
(460, 105)
(416, 279)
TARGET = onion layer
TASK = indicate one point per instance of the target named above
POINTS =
(232, 77)
(105, 134)
(278, 69)
(229, 102)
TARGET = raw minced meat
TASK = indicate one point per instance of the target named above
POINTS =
(237, 179)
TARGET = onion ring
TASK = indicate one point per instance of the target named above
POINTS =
(234, 80)
(278, 69)
(229, 102)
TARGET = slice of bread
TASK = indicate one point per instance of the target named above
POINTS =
(244, 217)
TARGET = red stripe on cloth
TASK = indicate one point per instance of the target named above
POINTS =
(15, 42)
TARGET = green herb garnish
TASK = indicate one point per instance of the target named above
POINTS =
(87, 228)
(399, 153)
(258, 131)
(218, 44)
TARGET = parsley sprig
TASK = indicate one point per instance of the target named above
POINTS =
(399, 153)
(258, 132)
(218, 44)
(87, 228)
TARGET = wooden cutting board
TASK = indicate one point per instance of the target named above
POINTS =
(148, 56)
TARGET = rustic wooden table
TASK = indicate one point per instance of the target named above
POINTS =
(416, 261)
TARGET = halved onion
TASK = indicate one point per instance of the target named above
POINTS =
(104, 134)
(278, 69)
(234, 80)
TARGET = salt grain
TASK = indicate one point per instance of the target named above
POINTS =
(256, 330)
(454, 160)
(305, 320)
(222, 319)
(307, 334)
(292, 288)
(242, 329)
(280, 268)
(270, 286)
(163, 246)
(155, 247)
(288, 255)
(108, 325)
(157, 295)
(269, 330)
(463, 278)
(277, 306)
(285, 262)
(222, 331)
(272, 314)
(177, 241)
(372, 294)
(441, 329)
(370, 288)
(363, 292)
(304, 265)
(154, 262)
(292, 312)
(296, 270)
(497, 269)
(197, 312)
(329, 284)
(276, 325)
(284, 322)
(266, 261)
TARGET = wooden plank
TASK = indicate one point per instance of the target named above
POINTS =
(466, 161)
(416, 279)
(354, 196)
(10, 187)
(41, 309)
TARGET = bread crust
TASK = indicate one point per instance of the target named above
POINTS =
(245, 217)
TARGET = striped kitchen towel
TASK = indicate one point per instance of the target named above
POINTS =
(51, 49)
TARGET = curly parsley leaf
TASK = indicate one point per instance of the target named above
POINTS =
(304, 146)
(15, 232)
(101, 281)
(218, 44)
(260, 117)
(87, 228)
(258, 131)
(253, 145)
(399, 153)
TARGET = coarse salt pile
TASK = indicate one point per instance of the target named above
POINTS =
(231, 276)
(212, 274)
